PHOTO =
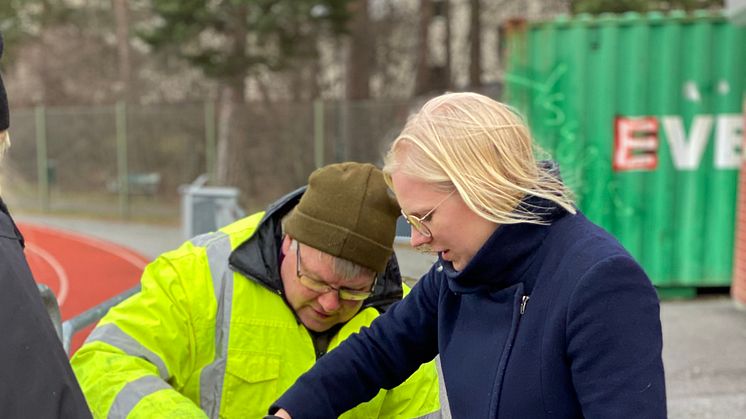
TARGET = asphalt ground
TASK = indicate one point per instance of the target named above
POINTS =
(704, 338)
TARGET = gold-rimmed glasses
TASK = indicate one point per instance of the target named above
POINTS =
(418, 223)
(322, 287)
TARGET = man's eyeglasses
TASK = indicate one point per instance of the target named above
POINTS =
(322, 287)
(418, 223)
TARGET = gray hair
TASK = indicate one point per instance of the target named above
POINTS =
(342, 268)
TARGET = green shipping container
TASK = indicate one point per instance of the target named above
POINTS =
(643, 114)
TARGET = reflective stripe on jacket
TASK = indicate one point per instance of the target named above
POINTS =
(201, 340)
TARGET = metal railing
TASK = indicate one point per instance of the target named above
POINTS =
(66, 330)
(53, 309)
(92, 315)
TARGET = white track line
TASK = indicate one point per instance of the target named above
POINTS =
(127, 255)
(58, 270)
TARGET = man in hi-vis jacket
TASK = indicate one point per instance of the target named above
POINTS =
(228, 321)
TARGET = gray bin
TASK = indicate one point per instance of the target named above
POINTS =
(207, 208)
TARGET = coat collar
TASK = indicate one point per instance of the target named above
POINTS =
(258, 258)
(506, 255)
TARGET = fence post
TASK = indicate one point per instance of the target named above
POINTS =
(42, 163)
(318, 132)
(341, 149)
(122, 169)
(210, 136)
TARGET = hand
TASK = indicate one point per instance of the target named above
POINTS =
(280, 414)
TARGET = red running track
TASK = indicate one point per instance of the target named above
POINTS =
(81, 271)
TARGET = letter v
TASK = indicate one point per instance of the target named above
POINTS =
(686, 154)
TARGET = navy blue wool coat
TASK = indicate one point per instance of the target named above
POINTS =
(553, 321)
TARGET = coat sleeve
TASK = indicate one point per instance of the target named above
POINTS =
(382, 356)
(127, 370)
(418, 396)
(614, 342)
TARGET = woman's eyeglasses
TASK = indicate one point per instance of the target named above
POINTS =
(418, 223)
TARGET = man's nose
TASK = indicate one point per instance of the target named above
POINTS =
(329, 301)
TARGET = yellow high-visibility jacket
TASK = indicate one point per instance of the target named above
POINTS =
(203, 340)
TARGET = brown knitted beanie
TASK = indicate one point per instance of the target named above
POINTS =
(348, 212)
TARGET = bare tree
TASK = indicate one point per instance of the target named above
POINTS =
(232, 40)
(422, 82)
(231, 93)
(446, 5)
(359, 57)
(475, 45)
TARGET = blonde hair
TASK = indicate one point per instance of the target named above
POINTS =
(483, 149)
(4, 142)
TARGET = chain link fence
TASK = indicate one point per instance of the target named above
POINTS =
(129, 161)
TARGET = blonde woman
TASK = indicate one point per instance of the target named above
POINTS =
(37, 381)
(535, 311)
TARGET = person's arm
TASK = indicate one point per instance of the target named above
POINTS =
(381, 356)
(614, 342)
(418, 396)
(139, 349)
